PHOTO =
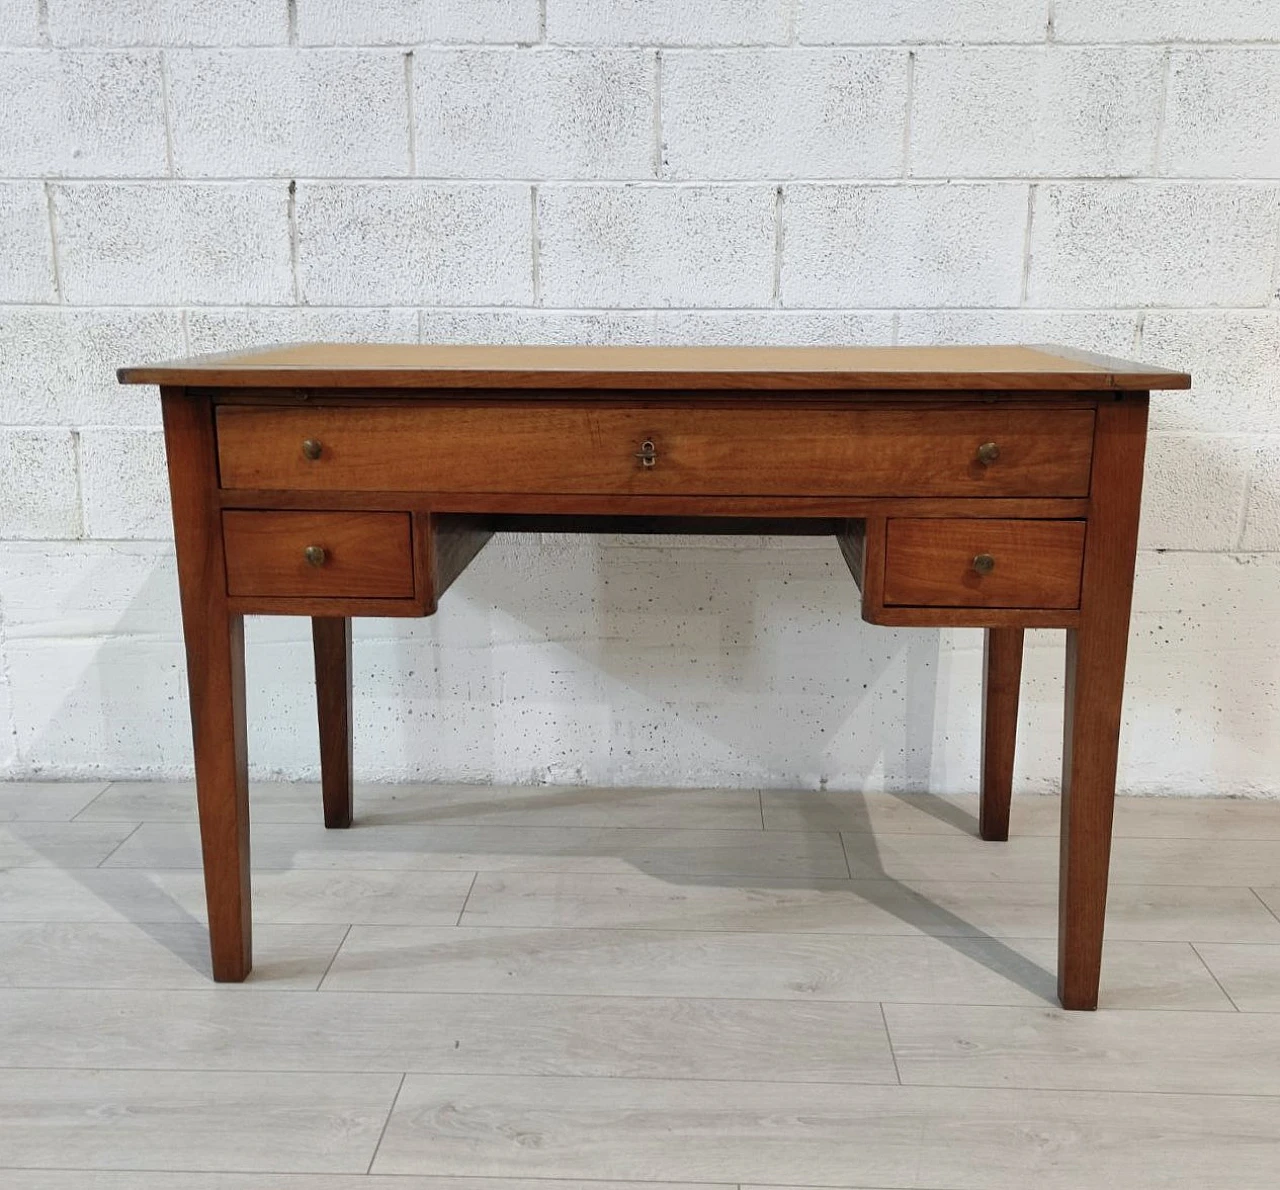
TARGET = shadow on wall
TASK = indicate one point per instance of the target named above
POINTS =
(93, 650)
(564, 660)
(616, 661)
(590, 661)
(619, 663)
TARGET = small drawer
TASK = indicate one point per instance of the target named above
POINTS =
(983, 563)
(327, 554)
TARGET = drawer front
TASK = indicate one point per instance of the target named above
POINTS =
(983, 563)
(322, 554)
(658, 450)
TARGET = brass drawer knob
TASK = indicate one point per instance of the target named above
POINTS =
(315, 555)
(311, 448)
(984, 563)
(648, 453)
(988, 452)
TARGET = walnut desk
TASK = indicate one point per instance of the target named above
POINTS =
(992, 487)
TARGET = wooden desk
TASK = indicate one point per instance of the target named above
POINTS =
(992, 487)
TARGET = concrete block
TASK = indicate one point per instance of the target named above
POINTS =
(94, 646)
(1109, 332)
(72, 114)
(1221, 588)
(126, 485)
(903, 245)
(414, 242)
(669, 22)
(1234, 360)
(1262, 511)
(537, 326)
(1169, 20)
(168, 22)
(865, 22)
(1223, 114)
(241, 330)
(416, 22)
(20, 20)
(52, 590)
(1036, 111)
(1200, 692)
(765, 114)
(1194, 491)
(535, 113)
(58, 365)
(656, 245)
(99, 706)
(169, 243)
(1159, 244)
(284, 112)
(26, 250)
(768, 328)
(39, 492)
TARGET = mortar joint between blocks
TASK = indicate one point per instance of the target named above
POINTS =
(411, 115)
(1275, 271)
(659, 166)
(1026, 244)
(778, 200)
(292, 210)
(535, 245)
(906, 117)
(77, 459)
(52, 218)
(1246, 493)
(1166, 81)
(166, 112)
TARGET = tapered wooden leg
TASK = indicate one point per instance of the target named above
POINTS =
(222, 795)
(1094, 692)
(215, 679)
(331, 637)
(1088, 796)
(1002, 677)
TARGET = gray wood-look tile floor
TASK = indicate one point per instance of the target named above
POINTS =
(572, 989)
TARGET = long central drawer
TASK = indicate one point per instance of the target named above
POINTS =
(963, 451)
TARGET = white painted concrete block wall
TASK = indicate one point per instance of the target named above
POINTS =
(206, 174)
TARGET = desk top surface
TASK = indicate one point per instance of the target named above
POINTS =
(1042, 369)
